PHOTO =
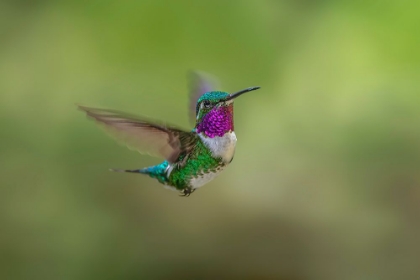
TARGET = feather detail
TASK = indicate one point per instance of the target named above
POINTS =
(143, 135)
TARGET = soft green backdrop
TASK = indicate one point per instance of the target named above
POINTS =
(325, 181)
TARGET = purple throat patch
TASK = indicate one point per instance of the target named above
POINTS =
(217, 122)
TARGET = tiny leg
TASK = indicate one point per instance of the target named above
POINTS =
(187, 192)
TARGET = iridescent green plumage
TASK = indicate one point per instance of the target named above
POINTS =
(198, 163)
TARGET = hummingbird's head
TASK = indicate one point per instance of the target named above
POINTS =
(214, 112)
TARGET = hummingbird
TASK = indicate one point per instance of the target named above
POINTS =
(192, 158)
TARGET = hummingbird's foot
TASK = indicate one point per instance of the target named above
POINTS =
(187, 192)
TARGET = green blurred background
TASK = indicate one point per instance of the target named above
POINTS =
(325, 181)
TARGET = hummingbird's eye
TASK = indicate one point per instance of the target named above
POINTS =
(206, 104)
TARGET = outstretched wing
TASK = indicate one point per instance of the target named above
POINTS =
(143, 135)
(200, 83)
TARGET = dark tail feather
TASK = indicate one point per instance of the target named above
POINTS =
(158, 171)
(141, 171)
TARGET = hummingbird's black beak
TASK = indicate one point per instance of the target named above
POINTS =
(236, 94)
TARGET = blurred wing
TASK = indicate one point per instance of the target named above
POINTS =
(143, 135)
(200, 83)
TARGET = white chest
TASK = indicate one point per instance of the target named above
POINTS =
(223, 147)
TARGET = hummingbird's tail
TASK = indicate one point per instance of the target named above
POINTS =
(158, 171)
(141, 171)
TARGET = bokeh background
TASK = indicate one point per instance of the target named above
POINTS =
(325, 181)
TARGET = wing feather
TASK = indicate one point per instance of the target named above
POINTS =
(143, 135)
(200, 83)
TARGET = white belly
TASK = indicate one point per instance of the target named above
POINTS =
(223, 147)
(205, 178)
